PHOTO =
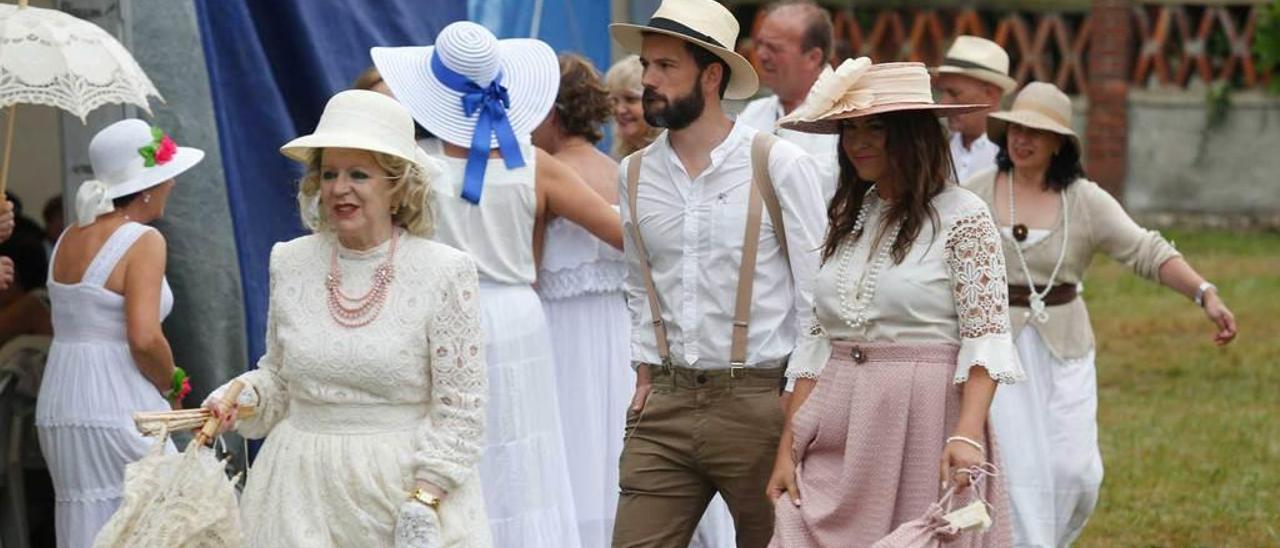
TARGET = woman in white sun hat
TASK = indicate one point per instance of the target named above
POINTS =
(373, 386)
(1054, 221)
(109, 357)
(482, 98)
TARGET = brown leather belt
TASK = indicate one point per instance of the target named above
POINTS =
(1020, 295)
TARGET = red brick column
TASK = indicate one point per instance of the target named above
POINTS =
(1107, 131)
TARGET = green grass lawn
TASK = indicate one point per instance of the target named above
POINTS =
(1190, 432)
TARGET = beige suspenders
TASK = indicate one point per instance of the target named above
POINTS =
(762, 197)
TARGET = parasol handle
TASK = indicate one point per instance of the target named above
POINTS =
(211, 425)
(8, 146)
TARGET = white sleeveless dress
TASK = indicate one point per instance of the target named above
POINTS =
(91, 388)
(581, 285)
(524, 472)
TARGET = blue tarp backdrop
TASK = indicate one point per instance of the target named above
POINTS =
(273, 65)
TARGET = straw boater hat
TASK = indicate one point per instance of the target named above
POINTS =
(980, 59)
(472, 90)
(362, 120)
(1039, 105)
(127, 157)
(704, 23)
(859, 88)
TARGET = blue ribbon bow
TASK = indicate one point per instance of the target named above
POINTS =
(489, 104)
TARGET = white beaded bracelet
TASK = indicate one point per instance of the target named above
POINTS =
(963, 439)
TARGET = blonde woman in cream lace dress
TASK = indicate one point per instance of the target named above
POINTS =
(372, 391)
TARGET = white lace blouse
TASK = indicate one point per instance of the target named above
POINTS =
(949, 288)
(425, 350)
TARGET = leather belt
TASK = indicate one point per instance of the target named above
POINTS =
(1020, 295)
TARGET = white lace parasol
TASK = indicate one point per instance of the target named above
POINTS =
(179, 500)
(48, 57)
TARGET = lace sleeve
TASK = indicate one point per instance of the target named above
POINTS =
(271, 389)
(449, 445)
(811, 353)
(976, 264)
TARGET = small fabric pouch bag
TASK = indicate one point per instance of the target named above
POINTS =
(941, 523)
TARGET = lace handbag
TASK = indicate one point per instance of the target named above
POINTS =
(940, 523)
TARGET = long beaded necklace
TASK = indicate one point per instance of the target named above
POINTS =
(1038, 310)
(364, 309)
(854, 309)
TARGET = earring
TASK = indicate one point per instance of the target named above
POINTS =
(146, 198)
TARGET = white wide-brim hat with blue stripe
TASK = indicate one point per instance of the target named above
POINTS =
(525, 67)
(128, 157)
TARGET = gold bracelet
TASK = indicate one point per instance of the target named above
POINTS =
(423, 496)
(963, 439)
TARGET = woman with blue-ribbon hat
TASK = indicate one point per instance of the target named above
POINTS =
(482, 98)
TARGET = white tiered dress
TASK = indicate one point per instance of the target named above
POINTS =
(356, 415)
(524, 471)
(581, 285)
(90, 391)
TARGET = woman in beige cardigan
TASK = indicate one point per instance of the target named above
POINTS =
(1053, 221)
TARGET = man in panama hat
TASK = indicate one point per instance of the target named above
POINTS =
(974, 71)
(721, 224)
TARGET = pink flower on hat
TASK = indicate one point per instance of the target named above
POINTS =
(166, 150)
(160, 150)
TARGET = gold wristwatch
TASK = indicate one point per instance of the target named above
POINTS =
(422, 495)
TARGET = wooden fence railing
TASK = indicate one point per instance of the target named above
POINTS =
(1177, 43)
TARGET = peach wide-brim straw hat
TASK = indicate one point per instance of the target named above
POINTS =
(862, 88)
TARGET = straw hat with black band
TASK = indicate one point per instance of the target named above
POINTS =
(980, 59)
(704, 23)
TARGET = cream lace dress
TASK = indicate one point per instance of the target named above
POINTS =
(355, 415)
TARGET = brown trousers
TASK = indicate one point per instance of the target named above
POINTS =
(700, 432)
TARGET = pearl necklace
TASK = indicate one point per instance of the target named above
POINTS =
(1038, 310)
(854, 310)
(365, 308)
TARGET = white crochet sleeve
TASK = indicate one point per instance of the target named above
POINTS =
(975, 261)
(450, 444)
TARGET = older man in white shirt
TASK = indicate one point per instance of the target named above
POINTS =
(793, 48)
(974, 71)
(722, 230)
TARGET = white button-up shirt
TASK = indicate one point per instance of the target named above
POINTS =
(763, 114)
(693, 231)
(979, 157)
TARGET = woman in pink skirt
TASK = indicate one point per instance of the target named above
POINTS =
(911, 337)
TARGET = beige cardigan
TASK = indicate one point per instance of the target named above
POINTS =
(1098, 223)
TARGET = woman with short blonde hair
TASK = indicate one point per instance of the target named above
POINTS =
(410, 191)
(626, 91)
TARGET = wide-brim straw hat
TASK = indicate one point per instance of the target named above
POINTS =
(128, 157)
(704, 23)
(527, 68)
(860, 88)
(361, 120)
(1040, 105)
(980, 59)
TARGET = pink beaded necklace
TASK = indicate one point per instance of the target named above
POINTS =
(364, 309)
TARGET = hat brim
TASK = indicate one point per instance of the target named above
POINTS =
(530, 72)
(743, 81)
(302, 148)
(1005, 83)
(998, 125)
(831, 124)
(185, 158)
